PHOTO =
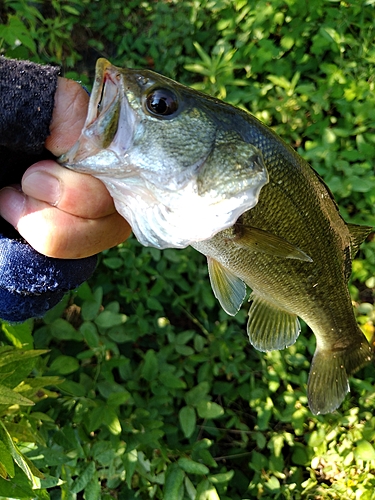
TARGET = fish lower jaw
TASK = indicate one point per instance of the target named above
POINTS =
(94, 164)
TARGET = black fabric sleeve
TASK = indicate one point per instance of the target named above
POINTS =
(26, 103)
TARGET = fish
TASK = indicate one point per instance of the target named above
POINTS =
(291, 247)
(165, 159)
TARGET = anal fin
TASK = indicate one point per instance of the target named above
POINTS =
(227, 287)
(269, 327)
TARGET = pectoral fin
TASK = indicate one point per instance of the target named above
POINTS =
(269, 327)
(227, 287)
(258, 240)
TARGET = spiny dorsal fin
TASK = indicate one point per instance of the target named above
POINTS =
(358, 234)
(258, 240)
(269, 327)
(227, 287)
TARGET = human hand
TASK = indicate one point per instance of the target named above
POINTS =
(61, 213)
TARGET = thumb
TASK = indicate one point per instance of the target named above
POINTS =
(68, 118)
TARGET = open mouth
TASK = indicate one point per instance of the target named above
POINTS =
(103, 113)
(104, 92)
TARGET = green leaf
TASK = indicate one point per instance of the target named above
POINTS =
(112, 422)
(84, 291)
(192, 467)
(206, 457)
(107, 319)
(90, 309)
(70, 10)
(184, 350)
(364, 450)
(118, 398)
(3, 471)
(63, 330)
(300, 456)
(206, 491)
(150, 367)
(64, 365)
(184, 337)
(171, 381)
(130, 461)
(20, 487)
(90, 334)
(223, 477)
(9, 397)
(97, 417)
(273, 484)
(83, 479)
(113, 262)
(20, 335)
(208, 409)
(6, 461)
(190, 488)
(360, 185)
(197, 393)
(10, 355)
(188, 419)
(154, 304)
(22, 462)
(173, 482)
(93, 488)
(73, 388)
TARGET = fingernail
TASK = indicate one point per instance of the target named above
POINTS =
(12, 205)
(42, 186)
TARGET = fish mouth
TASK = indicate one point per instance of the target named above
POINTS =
(104, 93)
(108, 126)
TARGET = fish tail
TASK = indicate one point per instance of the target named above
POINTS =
(328, 381)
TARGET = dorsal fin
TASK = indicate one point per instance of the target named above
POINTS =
(358, 234)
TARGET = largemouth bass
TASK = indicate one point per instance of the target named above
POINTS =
(292, 248)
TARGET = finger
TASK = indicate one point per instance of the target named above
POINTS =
(59, 234)
(68, 118)
(78, 194)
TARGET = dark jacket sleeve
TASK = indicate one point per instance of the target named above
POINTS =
(30, 283)
(26, 102)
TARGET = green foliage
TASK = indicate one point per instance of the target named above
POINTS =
(17, 391)
(160, 394)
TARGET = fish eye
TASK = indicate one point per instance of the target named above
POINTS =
(161, 102)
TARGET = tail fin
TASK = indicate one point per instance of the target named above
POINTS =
(328, 381)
